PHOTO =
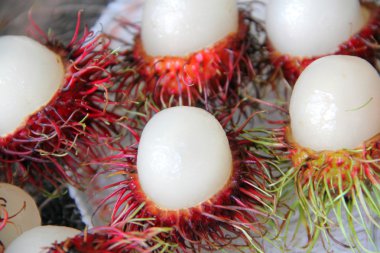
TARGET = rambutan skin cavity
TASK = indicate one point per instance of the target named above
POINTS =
(30, 75)
(335, 103)
(184, 158)
(327, 28)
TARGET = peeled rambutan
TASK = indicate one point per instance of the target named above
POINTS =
(299, 32)
(190, 51)
(55, 99)
(18, 213)
(333, 144)
(207, 180)
(38, 239)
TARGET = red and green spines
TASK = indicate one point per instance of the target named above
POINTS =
(335, 190)
(111, 240)
(338, 169)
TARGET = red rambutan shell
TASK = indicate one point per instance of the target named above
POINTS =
(333, 166)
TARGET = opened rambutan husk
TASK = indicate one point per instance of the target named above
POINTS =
(364, 44)
(54, 142)
(197, 78)
(242, 215)
(335, 190)
(108, 239)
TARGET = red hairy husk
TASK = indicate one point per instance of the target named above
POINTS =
(337, 168)
(199, 77)
(112, 240)
(336, 190)
(364, 44)
(244, 209)
(54, 142)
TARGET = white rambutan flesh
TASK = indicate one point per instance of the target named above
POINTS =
(19, 212)
(184, 158)
(312, 27)
(181, 27)
(30, 75)
(38, 239)
(335, 104)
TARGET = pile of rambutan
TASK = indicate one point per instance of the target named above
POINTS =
(99, 117)
(179, 149)
(186, 158)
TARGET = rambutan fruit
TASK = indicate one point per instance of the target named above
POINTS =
(18, 213)
(189, 51)
(55, 99)
(38, 239)
(299, 32)
(203, 176)
(333, 143)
